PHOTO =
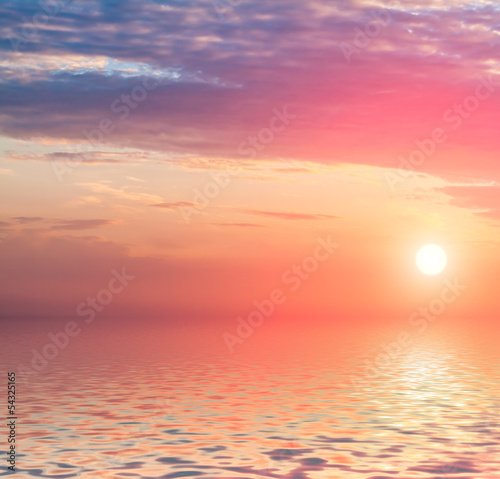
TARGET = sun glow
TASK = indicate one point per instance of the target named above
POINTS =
(431, 259)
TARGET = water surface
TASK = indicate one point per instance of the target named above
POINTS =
(125, 406)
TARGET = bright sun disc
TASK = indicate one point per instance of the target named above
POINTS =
(431, 259)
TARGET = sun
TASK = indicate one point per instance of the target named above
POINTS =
(431, 259)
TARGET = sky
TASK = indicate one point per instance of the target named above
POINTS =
(208, 149)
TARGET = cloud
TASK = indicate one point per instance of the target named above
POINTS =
(133, 178)
(484, 200)
(246, 211)
(27, 219)
(293, 170)
(239, 225)
(285, 215)
(120, 193)
(81, 224)
(90, 158)
(223, 79)
(60, 224)
(175, 204)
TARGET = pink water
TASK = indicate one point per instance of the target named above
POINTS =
(123, 403)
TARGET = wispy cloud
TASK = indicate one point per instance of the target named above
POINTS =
(175, 204)
(239, 225)
(120, 193)
(284, 215)
(81, 224)
(483, 200)
(90, 158)
(228, 77)
(27, 219)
